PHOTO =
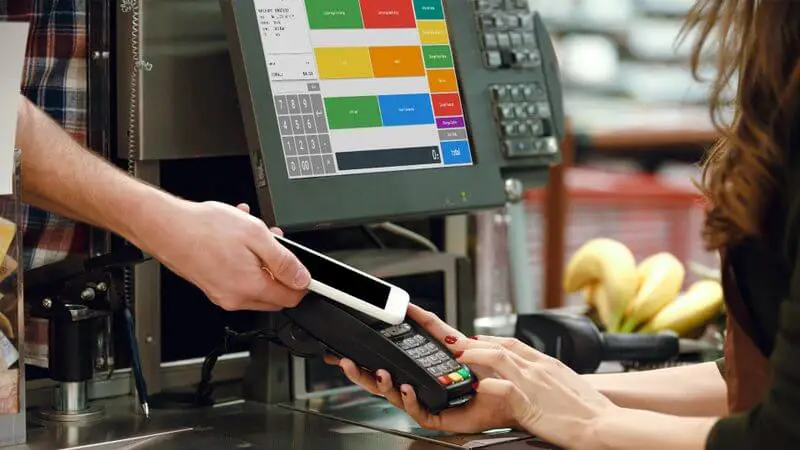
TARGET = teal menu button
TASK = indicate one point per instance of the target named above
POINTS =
(428, 9)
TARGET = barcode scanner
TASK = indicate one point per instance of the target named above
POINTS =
(410, 354)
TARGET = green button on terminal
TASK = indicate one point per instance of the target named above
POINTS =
(464, 372)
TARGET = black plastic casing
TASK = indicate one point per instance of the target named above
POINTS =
(352, 335)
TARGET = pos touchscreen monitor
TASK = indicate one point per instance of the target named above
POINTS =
(362, 110)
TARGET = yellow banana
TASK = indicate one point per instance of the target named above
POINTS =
(604, 308)
(660, 281)
(6, 327)
(611, 266)
(701, 303)
(8, 230)
(589, 293)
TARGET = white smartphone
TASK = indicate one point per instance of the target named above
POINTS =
(350, 286)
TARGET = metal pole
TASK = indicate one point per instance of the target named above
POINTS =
(71, 397)
(519, 262)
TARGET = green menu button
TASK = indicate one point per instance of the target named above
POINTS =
(437, 56)
(334, 14)
(353, 112)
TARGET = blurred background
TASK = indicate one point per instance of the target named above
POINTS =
(639, 127)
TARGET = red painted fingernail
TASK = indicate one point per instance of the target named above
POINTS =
(475, 385)
(450, 340)
(378, 377)
(474, 338)
(458, 354)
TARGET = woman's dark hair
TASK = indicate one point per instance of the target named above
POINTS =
(757, 46)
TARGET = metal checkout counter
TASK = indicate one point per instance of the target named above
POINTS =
(349, 113)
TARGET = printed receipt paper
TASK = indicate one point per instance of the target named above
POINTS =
(13, 41)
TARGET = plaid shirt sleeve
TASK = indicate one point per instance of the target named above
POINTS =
(54, 80)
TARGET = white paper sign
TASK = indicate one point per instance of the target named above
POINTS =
(13, 41)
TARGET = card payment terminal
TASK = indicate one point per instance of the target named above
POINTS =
(318, 326)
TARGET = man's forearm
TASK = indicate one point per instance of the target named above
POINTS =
(696, 390)
(59, 175)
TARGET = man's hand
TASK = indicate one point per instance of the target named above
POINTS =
(229, 254)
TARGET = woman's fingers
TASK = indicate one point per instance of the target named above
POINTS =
(416, 411)
(387, 388)
(441, 331)
(359, 377)
(503, 362)
(518, 404)
(378, 384)
(515, 346)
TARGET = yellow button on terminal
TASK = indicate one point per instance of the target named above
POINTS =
(455, 377)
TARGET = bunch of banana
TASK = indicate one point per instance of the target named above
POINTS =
(608, 269)
(700, 304)
(645, 298)
(660, 281)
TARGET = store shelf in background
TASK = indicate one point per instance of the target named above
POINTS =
(649, 133)
(648, 213)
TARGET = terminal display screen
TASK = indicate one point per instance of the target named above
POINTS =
(363, 86)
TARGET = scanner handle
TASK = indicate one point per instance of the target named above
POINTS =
(640, 347)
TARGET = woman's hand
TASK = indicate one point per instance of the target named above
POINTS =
(519, 388)
(483, 413)
(546, 398)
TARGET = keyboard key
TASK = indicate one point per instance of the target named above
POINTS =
(450, 365)
(428, 349)
(428, 361)
(396, 330)
(412, 342)
(455, 377)
(442, 368)
(441, 357)
(406, 344)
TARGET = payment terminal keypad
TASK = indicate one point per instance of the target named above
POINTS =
(429, 354)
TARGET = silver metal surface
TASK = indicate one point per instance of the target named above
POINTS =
(51, 415)
(243, 426)
(365, 410)
(71, 397)
(186, 104)
(238, 426)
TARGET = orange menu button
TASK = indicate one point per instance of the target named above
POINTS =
(397, 61)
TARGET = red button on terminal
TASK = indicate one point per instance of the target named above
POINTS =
(445, 380)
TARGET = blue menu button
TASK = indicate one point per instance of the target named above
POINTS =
(456, 152)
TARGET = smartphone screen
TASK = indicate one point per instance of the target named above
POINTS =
(340, 277)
